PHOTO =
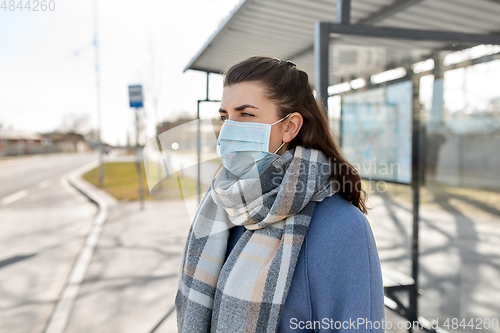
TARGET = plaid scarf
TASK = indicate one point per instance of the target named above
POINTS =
(246, 293)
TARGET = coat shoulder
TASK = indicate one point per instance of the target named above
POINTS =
(335, 218)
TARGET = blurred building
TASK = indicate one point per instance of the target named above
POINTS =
(166, 125)
(15, 142)
(68, 142)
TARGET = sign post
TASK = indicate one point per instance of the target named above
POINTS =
(136, 101)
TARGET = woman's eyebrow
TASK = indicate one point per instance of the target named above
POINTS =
(240, 108)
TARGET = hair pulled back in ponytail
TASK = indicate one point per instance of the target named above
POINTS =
(290, 89)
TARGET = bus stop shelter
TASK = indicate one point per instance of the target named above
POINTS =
(348, 46)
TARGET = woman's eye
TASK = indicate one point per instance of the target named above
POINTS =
(245, 114)
(222, 118)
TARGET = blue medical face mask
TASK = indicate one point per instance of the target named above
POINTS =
(243, 147)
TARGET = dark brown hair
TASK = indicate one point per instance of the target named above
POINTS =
(289, 87)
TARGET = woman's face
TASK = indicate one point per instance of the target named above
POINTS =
(246, 101)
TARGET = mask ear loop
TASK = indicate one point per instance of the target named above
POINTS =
(279, 147)
(281, 119)
(276, 123)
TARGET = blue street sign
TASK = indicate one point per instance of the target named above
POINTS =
(135, 96)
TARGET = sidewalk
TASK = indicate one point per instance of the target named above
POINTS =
(131, 282)
(459, 256)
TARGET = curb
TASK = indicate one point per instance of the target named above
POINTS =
(94, 194)
(62, 310)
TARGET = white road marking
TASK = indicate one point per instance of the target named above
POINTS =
(62, 310)
(14, 197)
(45, 183)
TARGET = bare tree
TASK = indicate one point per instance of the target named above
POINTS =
(75, 123)
(152, 77)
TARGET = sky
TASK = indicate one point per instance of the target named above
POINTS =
(47, 62)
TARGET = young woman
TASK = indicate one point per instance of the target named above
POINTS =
(280, 242)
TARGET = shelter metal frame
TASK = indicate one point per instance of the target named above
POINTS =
(198, 135)
(322, 33)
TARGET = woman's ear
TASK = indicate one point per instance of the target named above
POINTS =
(293, 126)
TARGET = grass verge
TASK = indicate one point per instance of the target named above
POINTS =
(121, 181)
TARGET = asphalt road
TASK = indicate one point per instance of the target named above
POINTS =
(43, 224)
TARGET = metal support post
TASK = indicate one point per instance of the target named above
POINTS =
(138, 159)
(98, 94)
(321, 63)
(416, 180)
(344, 11)
(198, 138)
(159, 170)
(198, 152)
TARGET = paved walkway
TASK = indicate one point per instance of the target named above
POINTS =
(459, 256)
(131, 282)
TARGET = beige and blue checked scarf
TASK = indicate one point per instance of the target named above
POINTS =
(246, 293)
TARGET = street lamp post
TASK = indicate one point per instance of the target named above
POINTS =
(98, 94)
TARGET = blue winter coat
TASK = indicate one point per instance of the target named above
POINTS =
(337, 283)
